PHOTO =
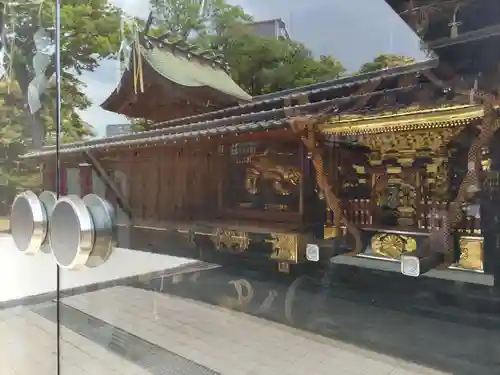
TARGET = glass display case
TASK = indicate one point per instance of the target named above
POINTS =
(185, 182)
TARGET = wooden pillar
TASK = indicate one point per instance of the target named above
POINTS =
(49, 176)
(490, 215)
(86, 179)
(63, 180)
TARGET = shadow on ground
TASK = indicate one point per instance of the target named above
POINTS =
(366, 319)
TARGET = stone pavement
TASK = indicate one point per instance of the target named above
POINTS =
(29, 347)
(131, 331)
(233, 343)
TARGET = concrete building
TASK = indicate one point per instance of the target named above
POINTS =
(118, 129)
(270, 28)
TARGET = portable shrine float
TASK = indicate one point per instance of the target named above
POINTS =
(391, 170)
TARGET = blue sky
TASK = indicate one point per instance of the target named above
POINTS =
(353, 31)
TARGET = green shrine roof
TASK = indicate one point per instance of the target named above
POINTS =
(173, 80)
(191, 72)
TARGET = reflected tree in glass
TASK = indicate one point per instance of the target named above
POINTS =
(27, 85)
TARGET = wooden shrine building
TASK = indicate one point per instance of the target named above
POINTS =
(383, 178)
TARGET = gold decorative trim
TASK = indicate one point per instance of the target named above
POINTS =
(423, 119)
(406, 145)
(285, 246)
(392, 245)
(232, 240)
(329, 232)
(471, 253)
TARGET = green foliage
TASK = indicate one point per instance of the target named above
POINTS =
(13, 136)
(90, 32)
(258, 64)
(139, 125)
(385, 61)
(182, 16)
(185, 19)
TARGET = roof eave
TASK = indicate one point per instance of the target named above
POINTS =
(424, 119)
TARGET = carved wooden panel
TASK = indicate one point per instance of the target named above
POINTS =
(262, 177)
(396, 196)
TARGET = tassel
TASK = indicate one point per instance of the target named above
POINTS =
(138, 71)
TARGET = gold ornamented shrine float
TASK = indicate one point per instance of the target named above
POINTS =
(392, 170)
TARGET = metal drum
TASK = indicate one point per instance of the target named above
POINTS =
(81, 231)
(103, 216)
(48, 199)
(29, 220)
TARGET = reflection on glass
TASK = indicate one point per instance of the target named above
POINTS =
(27, 110)
(233, 177)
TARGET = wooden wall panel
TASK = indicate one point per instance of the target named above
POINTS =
(170, 183)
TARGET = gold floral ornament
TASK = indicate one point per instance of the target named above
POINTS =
(392, 245)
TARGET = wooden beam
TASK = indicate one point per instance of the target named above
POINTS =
(108, 181)
(366, 88)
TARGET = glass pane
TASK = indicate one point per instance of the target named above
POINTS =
(316, 176)
(27, 187)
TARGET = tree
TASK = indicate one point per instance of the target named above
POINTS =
(258, 64)
(183, 17)
(262, 65)
(90, 32)
(385, 61)
(188, 19)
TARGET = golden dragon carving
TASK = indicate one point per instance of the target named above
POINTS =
(267, 166)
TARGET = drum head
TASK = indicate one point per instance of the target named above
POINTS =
(71, 232)
(28, 222)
